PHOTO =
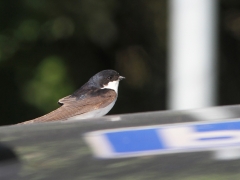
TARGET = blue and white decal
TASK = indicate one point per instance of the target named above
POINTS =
(150, 140)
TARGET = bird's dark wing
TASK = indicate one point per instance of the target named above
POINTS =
(72, 106)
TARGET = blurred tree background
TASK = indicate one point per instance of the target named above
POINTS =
(49, 48)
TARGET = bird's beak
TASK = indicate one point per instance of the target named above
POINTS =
(121, 78)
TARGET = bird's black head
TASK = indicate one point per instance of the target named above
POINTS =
(108, 79)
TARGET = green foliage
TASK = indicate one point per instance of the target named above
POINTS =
(28, 30)
(49, 84)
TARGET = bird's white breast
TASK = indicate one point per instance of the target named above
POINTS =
(95, 113)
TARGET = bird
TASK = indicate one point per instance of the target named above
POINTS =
(94, 99)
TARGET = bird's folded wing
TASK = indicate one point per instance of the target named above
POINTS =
(72, 107)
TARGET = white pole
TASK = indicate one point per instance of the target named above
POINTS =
(192, 49)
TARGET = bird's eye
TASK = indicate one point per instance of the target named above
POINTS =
(109, 77)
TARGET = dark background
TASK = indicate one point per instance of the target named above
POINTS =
(49, 48)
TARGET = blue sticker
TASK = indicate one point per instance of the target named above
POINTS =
(135, 140)
(223, 126)
(145, 140)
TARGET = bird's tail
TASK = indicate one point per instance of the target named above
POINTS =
(45, 118)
